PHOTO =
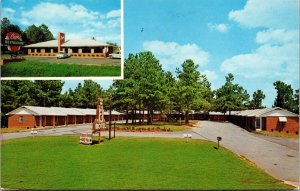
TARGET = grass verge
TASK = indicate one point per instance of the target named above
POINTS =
(44, 69)
(127, 163)
(278, 134)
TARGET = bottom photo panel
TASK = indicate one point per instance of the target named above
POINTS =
(148, 131)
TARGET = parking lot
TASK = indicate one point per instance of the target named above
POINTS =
(79, 61)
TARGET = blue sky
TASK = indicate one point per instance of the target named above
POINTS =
(79, 19)
(255, 40)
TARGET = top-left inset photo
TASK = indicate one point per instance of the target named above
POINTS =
(61, 39)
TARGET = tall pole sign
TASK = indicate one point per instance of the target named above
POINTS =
(13, 41)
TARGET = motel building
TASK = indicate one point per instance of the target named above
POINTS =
(82, 48)
(34, 116)
(266, 119)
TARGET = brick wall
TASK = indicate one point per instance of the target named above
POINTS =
(15, 121)
(292, 124)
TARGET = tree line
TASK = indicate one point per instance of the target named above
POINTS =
(32, 34)
(147, 87)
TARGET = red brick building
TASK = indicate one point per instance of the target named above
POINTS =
(33, 116)
(267, 119)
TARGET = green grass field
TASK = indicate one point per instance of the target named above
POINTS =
(45, 69)
(126, 163)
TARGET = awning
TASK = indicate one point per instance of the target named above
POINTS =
(282, 119)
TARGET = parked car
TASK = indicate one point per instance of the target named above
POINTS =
(115, 55)
(61, 54)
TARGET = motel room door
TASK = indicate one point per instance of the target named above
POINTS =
(263, 123)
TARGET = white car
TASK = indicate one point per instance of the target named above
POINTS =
(115, 55)
(61, 54)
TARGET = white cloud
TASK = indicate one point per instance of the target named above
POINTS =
(211, 75)
(266, 62)
(58, 13)
(114, 13)
(172, 54)
(277, 36)
(277, 56)
(75, 20)
(268, 13)
(8, 12)
(218, 27)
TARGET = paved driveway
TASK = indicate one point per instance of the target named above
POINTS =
(279, 160)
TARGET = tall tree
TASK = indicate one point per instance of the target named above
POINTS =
(193, 87)
(231, 96)
(14, 94)
(46, 32)
(285, 96)
(48, 92)
(257, 99)
(38, 34)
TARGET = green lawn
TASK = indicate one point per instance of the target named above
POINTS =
(45, 69)
(126, 163)
(155, 126)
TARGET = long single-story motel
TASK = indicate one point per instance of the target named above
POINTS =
(33, 116)
(267, 119)
(84, 48)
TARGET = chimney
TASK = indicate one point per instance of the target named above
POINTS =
(61, 40)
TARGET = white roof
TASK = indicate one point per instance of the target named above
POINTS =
(86, 111)
(81, 43)
(277, 111)
(56, 111)
(68, 111)
(35, 110)
(46, 44)
(68, 43)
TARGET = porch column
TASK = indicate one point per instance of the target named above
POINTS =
(41, 121)
(65, 120)
(29, 51)
(80, 50)
(75, 119)
(35, 50)
(92, 50)
(70, 51)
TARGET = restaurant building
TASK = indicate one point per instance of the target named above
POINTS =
(83, 48)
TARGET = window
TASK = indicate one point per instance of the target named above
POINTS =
(21, 119)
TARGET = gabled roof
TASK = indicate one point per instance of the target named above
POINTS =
(69, 111)
(46, 44)
(86, 111)
(264, 112)
(82, 43)
(35, 110)
(57, 111)
(68, 43)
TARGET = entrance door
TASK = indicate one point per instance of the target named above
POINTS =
(263, 124)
